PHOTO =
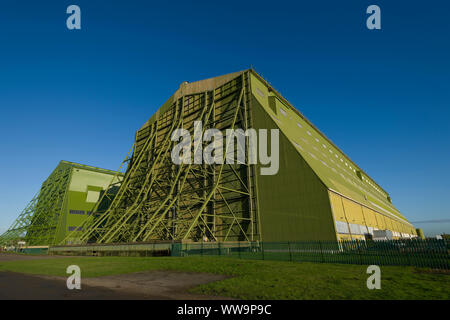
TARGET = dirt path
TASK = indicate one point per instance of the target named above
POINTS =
(17, 286)
(142, 285)
(152, 284)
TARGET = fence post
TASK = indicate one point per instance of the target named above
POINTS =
(201, 249)
(262, 249)
(290, 253)
(239, 249)
(406, 251)
(321, 251)
(359, 252)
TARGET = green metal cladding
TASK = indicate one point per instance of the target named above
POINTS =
(293, 203)
(64, 201)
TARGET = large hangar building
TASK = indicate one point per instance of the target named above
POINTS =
(318, 193)
(64, 201)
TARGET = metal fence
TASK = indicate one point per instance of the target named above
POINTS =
(430, 253)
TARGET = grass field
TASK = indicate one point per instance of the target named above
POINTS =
(250, 279)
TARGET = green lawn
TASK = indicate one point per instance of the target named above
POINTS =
(254, 279)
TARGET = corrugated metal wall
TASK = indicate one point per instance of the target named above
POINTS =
(294, 203)
(353, 220)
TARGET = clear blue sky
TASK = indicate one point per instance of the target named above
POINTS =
(382, 96)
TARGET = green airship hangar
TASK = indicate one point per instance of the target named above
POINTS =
(318, 193)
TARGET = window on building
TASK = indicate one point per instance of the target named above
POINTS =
(76, 212)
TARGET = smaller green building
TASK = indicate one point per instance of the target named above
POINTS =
(64, 201)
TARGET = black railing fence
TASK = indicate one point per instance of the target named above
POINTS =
(429, 253)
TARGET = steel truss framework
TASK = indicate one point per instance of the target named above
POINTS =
(159, 200)
(39, 222)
